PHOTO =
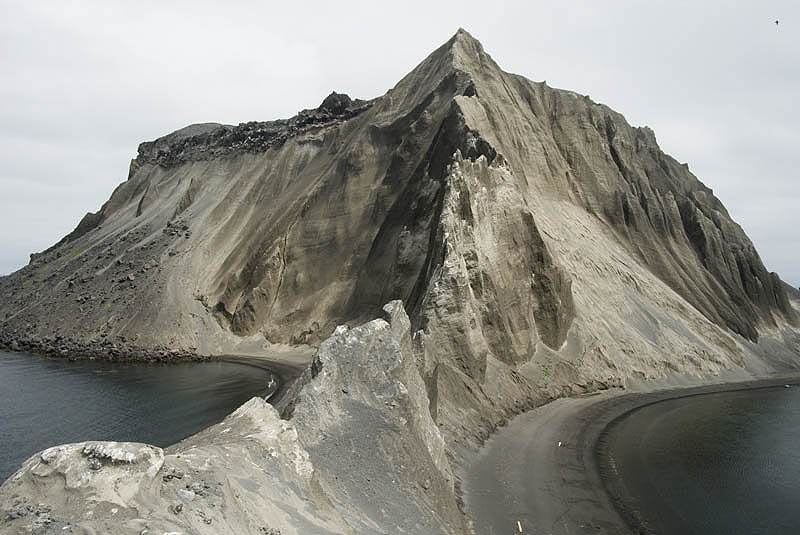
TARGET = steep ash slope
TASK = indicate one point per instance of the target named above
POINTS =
(540, 243)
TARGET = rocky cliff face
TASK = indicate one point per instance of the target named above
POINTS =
(541, 245)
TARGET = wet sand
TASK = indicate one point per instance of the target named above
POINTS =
(286, 366)
(523, 477)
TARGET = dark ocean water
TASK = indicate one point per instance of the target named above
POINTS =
(48, 402)
(726, 463)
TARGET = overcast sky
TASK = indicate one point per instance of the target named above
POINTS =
(83, 83)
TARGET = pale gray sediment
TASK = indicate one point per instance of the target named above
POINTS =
(544, 468)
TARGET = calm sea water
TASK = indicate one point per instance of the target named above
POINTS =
(726, 463)
(48, 402)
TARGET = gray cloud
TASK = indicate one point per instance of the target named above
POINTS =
(84, 83)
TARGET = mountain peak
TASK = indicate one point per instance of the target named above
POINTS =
(463, 34)
(462, 54)
(465, 50)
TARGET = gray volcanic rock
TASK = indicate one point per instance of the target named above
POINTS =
(361, 455)
(210, 483)
(541, 245)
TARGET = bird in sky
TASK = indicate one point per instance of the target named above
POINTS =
(777, 22)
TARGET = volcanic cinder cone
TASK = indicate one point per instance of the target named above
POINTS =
(539, 243)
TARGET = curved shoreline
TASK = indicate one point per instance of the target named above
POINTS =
(613, 484)
(114, 349)
(285, 366)
(157, 404)
(544, 468)
(284, 371)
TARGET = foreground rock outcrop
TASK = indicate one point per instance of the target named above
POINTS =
(361, 454)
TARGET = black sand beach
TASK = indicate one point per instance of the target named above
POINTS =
(542, 472)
